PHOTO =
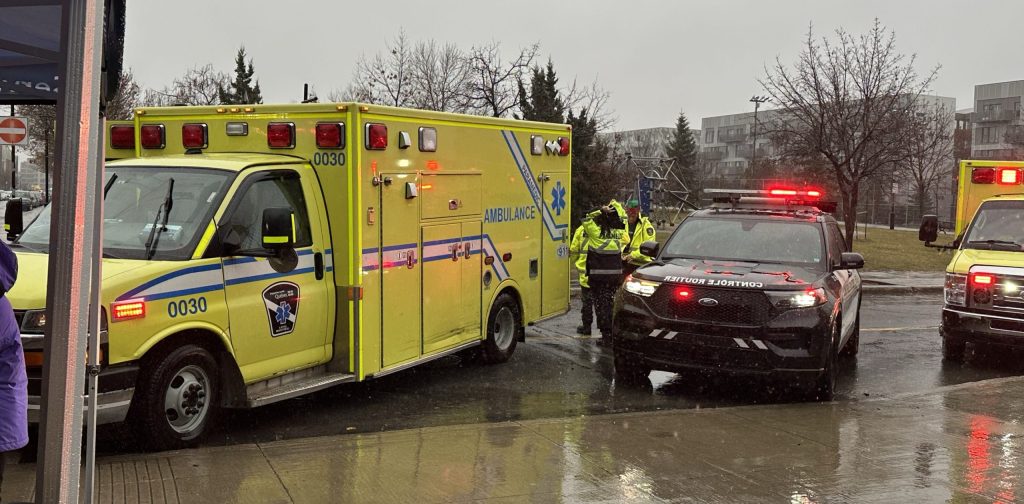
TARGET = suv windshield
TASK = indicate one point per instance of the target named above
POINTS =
(755, 240)
(133, 203)
(997, 226)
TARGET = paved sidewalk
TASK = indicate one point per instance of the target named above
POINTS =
(960, 443)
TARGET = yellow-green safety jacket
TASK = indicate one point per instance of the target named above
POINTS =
(599, 250)
(643, 231)
(578, 255)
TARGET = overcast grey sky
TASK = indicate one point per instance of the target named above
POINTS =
(656, 58)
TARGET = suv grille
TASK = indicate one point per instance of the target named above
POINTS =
(734, 306)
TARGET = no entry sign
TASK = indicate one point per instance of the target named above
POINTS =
(13, 131)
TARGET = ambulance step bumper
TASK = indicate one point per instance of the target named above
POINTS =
(289, 386)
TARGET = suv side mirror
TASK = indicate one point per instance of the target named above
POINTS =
(851, 260)
(650, 248)
(14, 222)
(929, 231)
(278, 230)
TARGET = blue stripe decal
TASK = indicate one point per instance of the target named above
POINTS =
(531, 184)
(267, 276)
(185, 292)
(547, 211)
(163, 278)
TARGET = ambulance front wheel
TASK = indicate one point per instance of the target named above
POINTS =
(175, 401)
(503, 325)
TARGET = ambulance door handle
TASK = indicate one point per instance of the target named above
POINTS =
(318, 265)
(544, 178)
(387, 181)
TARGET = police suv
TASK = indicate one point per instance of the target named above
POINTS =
(759, 283)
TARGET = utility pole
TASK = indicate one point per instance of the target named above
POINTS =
(14, 163)
(757, 101)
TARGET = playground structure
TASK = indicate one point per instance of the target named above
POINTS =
(658, 187)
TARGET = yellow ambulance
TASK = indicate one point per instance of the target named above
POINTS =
(257, 253)
(984, 290)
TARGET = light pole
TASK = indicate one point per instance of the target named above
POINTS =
(757, 101)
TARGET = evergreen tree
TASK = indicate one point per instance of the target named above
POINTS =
(595, 181)
(242, 91)
(542, 103)
(682, 147)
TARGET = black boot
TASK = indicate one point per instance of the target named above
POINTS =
(583, 330)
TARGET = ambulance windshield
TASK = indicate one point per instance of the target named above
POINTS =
(997, 226)
(132, 202)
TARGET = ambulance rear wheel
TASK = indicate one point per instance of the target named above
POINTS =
(503, 325)
(176, 402)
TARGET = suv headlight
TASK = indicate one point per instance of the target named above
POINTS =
(34, 322)
(644, 288)
(955, 289)
(786, 300)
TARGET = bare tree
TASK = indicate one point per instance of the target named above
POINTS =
(849, 101)
(198, 86)
(929, 144)
(593, 98)
(386, 79)
(128, 96)
(493, 82)
(440, 74)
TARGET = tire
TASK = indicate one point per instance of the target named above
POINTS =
(629, 369)
(852, 346)
(953, 349)
(825, 386)
(504, 324)
(175, 402)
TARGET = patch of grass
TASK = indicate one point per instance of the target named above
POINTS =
(886, 250)
(896, 250)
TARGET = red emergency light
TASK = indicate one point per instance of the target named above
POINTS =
(128, 310)
(122, 137)
(563, 146)
(376, 136)
(152, 136)
(785, 191)
(330, 135)
(683, 293)
(1009, 176)
(281, 135)
(193, 136)
(982, 279)
(983, 175)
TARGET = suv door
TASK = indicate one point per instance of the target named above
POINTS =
(278, 308)
(849, 280)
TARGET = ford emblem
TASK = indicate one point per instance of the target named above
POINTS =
(708, 302)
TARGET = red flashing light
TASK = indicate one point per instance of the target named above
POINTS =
(152, 136)
(376, 136)
(128, 310)
(281, 135)
(330, 135)
(1009, 176)
(782, 192)
(432, 165)
(122, 137)
(814, 194)
(983, 175)
(683, 293)
(563, 146)
(427, 186)
(984, 279)
(193, 136)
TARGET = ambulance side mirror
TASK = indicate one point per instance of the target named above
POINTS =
(929, 231)
(13, 218)
(650, 248)
(278, 230)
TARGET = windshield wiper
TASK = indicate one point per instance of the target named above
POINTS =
(994, 242)
(162, 214)
(110, 183)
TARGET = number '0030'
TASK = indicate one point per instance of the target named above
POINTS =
(186, 307)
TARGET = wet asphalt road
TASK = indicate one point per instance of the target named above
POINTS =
(556, 374)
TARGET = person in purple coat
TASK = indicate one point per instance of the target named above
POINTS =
(13, 382)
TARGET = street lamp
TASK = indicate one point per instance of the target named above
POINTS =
(757, 101)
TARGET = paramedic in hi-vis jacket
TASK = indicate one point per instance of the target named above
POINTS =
(604, 239)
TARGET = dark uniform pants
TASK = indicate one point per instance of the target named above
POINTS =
(587, 312)
(603, 293)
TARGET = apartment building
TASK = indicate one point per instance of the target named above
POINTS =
(998, 126)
